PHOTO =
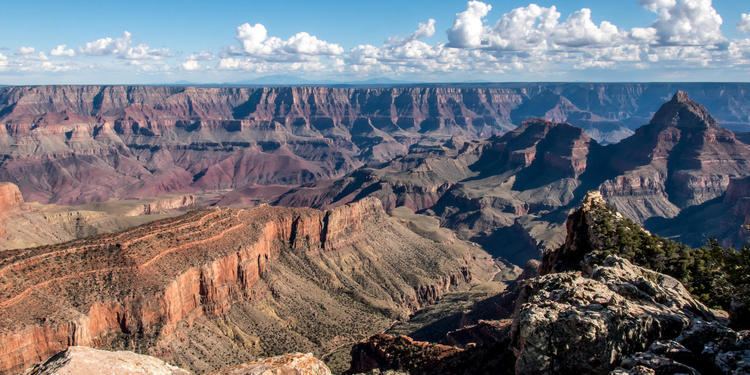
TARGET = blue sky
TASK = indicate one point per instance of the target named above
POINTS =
(205, 42)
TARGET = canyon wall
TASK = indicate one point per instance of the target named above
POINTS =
(140, 141)
(148, 288)
(528, 179)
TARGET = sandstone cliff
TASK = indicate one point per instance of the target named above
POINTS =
(217, 287)
(10, 198)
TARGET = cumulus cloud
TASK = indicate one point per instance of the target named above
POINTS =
(424, 30)
(256, 42)
(744, 24)
(580, 30)
(191, 65)
(685, 22)
(526, 39)
(25, 51)
(532, 27)
(123, 47)
(62, 50)
(468, 27)
(523, 28)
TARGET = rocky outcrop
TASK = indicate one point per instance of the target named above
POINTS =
(589, 322)
(288, 364)
(589, 311)
(82, 360)
(10, 198)
(164, 205)
(704, 348)
(237, 283)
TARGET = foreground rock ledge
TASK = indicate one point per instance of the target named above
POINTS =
(587, 313)
(80, 360)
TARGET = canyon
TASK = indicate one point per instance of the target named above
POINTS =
(451, 228)
(581, 310)
(218, 287)
(523, 183)
(142, 141)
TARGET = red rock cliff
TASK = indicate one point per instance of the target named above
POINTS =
(129, 289)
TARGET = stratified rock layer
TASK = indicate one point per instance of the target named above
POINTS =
(523, 184)
(138, 141)
(217, 287)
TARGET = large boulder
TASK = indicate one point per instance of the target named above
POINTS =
(589, 320)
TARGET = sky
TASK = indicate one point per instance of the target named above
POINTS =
(169, 41)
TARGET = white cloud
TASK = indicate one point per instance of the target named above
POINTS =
(253, 39)
(256, 42)
(62, 50)
(744, 24)
(524, 28)
(24, 51)
(530, 28)
(231, 63)
(643, 35)
(306, 44)
(191, 65)
(424, 30)
(685, 22)
(580, 30)
(201, 56)
(3, 61)
(123, 47)
(468, 27)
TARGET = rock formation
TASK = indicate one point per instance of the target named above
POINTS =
(287, 364)
(140, 141)
(680, 159)
(587, 312)
(523, 184)
(726, 219)
(10, 198)
(164, 205)
(218, 287)
(38, 224)
(78, 360)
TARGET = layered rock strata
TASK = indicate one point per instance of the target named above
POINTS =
(216, 287)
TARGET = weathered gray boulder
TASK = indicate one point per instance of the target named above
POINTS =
(589, 320)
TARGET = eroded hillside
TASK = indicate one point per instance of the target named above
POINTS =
(217, 287)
